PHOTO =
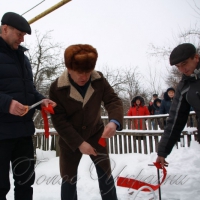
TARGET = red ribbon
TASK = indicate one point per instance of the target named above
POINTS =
(44, 112)
(135, 184)
(102, 142)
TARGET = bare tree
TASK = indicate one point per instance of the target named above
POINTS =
(195, 8)
(126, 82)
(47, 63)
(132, 87)
(115, 78)
(159, 51)
(154, 81)
(192, 35)
(175, 78)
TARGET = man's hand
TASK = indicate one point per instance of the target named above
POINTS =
(16, 108)
(162, 161)
(46, 102)
(109, 130)
(86, 148)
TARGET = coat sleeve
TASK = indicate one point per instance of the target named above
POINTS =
(175, 124)
(5, 101)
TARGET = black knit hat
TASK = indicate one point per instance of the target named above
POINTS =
(181, 52)
(16, 21)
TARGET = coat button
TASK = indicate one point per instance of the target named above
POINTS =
(83, 127)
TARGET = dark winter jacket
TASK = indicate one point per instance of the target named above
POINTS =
(187, 95)
(78, 119)
(165, 104)
(16, 83)
(156, 108)
(151, 108)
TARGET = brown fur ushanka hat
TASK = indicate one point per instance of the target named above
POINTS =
(80, 57)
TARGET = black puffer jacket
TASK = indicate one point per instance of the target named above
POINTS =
(16, 83)
(187, 95)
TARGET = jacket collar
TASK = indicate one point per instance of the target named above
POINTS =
(4, 47)
(194, 76)
(63, 82)
(196, 73)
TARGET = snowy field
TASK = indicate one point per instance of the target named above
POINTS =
(182, 181)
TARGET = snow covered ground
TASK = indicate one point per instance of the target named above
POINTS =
(182, 182)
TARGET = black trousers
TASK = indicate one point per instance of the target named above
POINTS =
(20, 153)
(106, 186)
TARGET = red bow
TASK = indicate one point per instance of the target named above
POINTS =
(44, 112)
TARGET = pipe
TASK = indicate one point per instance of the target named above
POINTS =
(46, 12)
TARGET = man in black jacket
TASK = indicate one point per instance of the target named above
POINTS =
(187, 94)
(16, 90)
(150, 106)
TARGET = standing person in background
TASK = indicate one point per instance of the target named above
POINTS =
(167, 101)
(138, 108)
(156, 105)
(166, 104)
(151, 108)
(79, 93)
(186, 59)
(16, 90)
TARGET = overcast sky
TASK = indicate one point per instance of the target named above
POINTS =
(121, 30)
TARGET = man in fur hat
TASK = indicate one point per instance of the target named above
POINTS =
(186, 59)
(79, 92)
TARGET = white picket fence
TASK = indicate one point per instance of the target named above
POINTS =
(129, 140)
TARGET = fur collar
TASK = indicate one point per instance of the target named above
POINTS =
(63, 81)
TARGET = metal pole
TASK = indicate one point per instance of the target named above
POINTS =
(159, 189)
(46, 12)
(158, 175)
(33, 7)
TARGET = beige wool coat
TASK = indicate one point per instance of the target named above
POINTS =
(77, 119)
